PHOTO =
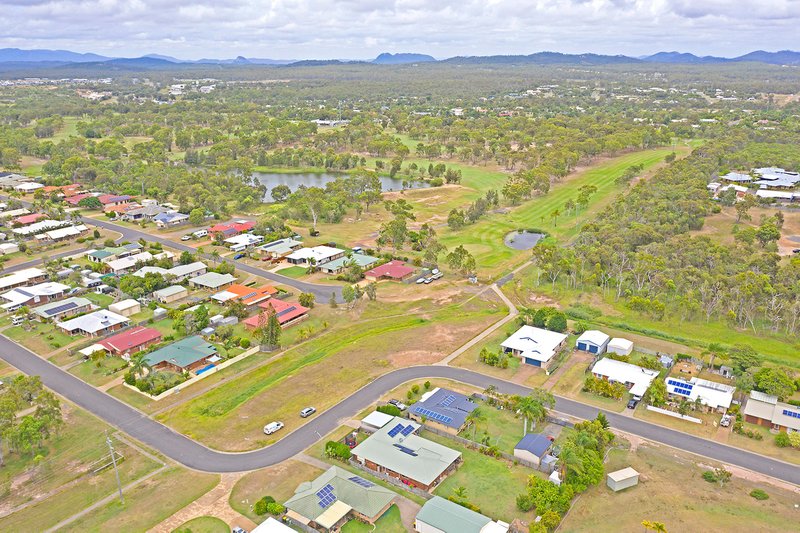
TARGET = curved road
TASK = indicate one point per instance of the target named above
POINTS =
(194, 455)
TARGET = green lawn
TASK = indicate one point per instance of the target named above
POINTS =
(204, 524)
(503, 427)
(99, 372)
(492, 484)
(279, 481)
(570, 384)
(390, 522)
(102, 300)
(293, 272)
(485, 238)
(39, 337)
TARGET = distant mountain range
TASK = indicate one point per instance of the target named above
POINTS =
(13, 58)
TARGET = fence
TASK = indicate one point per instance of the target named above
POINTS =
(674, 414)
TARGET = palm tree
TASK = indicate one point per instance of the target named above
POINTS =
(215, 256)
(713, 351)
(570, 461)
(658, 527)
(460, 492)
(139, 364)
(476, 417)
(534, 407)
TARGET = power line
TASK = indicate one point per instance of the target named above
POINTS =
(116, 472)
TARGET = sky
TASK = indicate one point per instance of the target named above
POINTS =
(352, 29)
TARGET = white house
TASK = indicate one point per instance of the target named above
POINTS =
(439, 515)
(636, 378)
(243, 241)
(94, 324)
(535, 346)
(713, 395)
(593, 341)
(316, 255)
(619, 346)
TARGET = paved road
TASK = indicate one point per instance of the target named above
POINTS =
(36, 262)
(196, 456)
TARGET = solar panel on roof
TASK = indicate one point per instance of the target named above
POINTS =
(361, 481)
(407, 431)
(449, 399)
(395, 430)
(287, 310)
(403, 449)
(325, 490)
(61, 308)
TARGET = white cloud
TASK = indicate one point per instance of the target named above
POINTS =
(361, 29)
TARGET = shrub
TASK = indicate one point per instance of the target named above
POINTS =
(524, 502)
(130, 379)
(415, 389)
(275, 508)
(389, 410)
(436, 182)
(782, 440)
(427, 385)
(261, 506)
(244, 343)
(337, 450)
(709, 476)
(759, 494)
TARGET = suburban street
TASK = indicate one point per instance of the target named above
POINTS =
(194, 455)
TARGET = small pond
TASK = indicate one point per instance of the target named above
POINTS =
(273, 179)
(523, 239)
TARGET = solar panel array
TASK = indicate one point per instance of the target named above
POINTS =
(793, 414)
(287, 310)
(448, 400)
(395, 430)
(681, 387)
(403, 449)
(326, 496)
(434, 416)
(61, 308)
(409, 429)
(361, 481)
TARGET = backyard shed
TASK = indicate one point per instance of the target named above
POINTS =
(593, 341)
(375, 421)
(533, 447)
(620, 346)
(622, 479)
(126, 307)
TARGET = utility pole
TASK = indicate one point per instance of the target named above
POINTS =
(116, 472)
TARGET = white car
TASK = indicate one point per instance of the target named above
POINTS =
(435, 271)
(272, 427)
(186, 238)
(420, 281)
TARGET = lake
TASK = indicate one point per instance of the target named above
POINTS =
(273, 179)
(523, 239)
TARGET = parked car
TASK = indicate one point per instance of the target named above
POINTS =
(437, 275)
(420, 281)
(428, 280)
(435, 271)
(186, 238)
(238, 530)
(632, 403)
(272, 427)
(796, 251)
(726, 421)
(397, 403)
(314, 233)
(239, 256)
(308, 411)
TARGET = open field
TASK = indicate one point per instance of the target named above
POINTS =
(571, 382)
(39, 337)
(279, 481)
(323, 371)
(62, 479)
(672, 491)
(145, 504)
(203, 524)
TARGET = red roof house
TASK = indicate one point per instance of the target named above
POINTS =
(75, 198)
(114, 199)
(24, 220)
(131, 341)
(394, 270)
(120, 208)
(232, 228)
(64, 190)
(287, 313)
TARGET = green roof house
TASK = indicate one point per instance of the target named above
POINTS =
(336, 497)
(443, 516)
(187, 354)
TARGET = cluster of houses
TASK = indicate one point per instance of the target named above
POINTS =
(769, 183)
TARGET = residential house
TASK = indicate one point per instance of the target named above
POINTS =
(28, 187)
(443, 409)
(170, 218)
(766, 410)
(145, 212)
(280, 248)
(75, 199)
(40, 227)
(338, 265)
(397, 451)
(38, 294)
(131, 341)
(95, 324)
(212, 280)
(170, 294)
(120, 209)
(9, 248)
(393, 270)
(190, 354)
(124, 264)
(113, 252)
(712, 395)
(440, 515)
(593, 341)
(317, 255)
(375, 421)
(114, 199)
(62, 234)
(288, 313)
(243, 241)
(336, 497)
(127, 307)
(14, 213)
(534, 346)
(230, 229)
(270, 525)
(249, 296)
(59, 310)
(22, 278)
(533, 447)
(182, 272)
(64, 191)
(635, 378)
(26, 220)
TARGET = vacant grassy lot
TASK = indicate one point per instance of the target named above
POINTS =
(68, 459)
(672, 491)
(279, 481)
(491, 484)
(390, 522)
(204, 524)
(100, 372)
(571, 382)
(146, 504)
(40, 338)
(321, 372)
(293, 272)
